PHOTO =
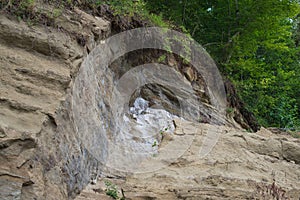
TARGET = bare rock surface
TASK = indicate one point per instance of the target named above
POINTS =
(37, 63)
(241, 166)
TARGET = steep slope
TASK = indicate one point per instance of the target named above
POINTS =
(37, 65)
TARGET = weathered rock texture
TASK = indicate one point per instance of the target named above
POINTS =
(43, 155)
(242, 165)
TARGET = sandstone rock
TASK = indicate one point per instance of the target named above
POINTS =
(50, 147)
(232, 170)
(190, 74)
(291, 150)
(40, 160)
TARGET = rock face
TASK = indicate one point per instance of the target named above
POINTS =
(41, 157)
(59, 130)
(241, 166)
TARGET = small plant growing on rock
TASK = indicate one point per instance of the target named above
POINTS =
(154, 144)
(163, 130)
(271, 191)
(162, 58)
(229, 110)
(111, 190)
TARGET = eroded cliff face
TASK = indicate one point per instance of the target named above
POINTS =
(241, 166)
(58, 129)
(41, 156)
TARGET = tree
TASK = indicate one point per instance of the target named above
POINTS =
(255, 43)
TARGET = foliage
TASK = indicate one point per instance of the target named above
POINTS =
(22, 8)
(134, 8)
(162, 58)
(295, 134)
(229, 110)
(154, 144)
(111, 190)
(255, 43)
(28, 11)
